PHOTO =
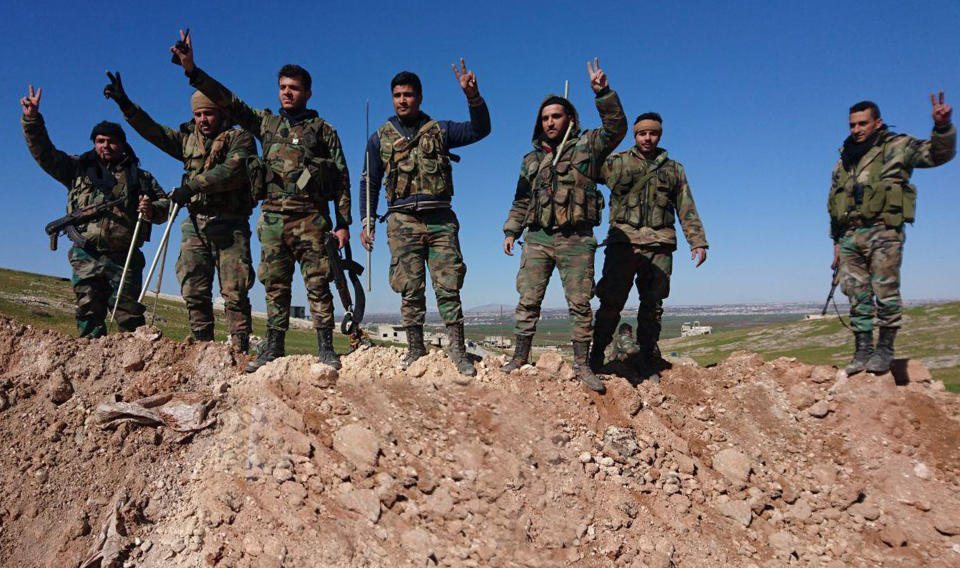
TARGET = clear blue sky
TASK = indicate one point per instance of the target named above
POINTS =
(754, 97)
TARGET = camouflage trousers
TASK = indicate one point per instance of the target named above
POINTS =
(870, 260)
(572, 254)
(426, 239)
(285, 239)
(625, 264)
(96, 278)
(220, 245)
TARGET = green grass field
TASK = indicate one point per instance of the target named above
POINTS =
(930, 333)
(48, 302)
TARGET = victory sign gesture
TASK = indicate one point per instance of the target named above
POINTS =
(468, 81)
(31, 102)
(598, 79)
(184, 50)
(941, 110)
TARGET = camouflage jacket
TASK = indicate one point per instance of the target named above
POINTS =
(623, 347)
(215, 168)
(90, 182)
(565, 196)
(646, 198)
(877, 189)
(295, 149)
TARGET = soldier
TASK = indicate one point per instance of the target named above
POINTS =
(870, 199)
(216, 191)
(411, 153)
(558, 202)
(648, 191)
(624, 347)
(302, 169)
(106, 173)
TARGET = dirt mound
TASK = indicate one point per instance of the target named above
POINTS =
(743, 464)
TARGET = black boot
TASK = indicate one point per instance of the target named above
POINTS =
(521, 354)
(581, 351)
(240, 342)
(457, 350)
(325, 347)
(864, 349)
(273, 350)
(202, 335)
(602, 336)
(882, 357)
(415, 347)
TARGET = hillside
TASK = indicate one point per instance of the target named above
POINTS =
(930, 334)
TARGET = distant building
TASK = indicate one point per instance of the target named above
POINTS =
(387, 332)
(691, 329)
(498, 341)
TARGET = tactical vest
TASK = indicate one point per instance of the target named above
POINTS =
(640, 197)
(197, 159)
(563, 196)
(891, 201)
(94, 185)
(416, 166)
(296, 162)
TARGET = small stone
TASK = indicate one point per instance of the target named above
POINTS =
(282, 474)
(865, 510)
(801, 396)
(739, 511)
(358, 444)
(947, 526)
(550, 362)
(733, 464)
(585, 457)
(921, 470)
(606, 461)
(823, 374)
(782, 542)
(819, 410)
(363, 501)
(893, 537)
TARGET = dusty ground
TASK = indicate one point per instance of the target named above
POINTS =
(743, 464)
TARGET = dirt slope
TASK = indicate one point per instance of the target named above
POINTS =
(743, 464)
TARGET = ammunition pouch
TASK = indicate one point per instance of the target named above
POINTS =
(564, 196)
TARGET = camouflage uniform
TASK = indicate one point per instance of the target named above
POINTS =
(623, 347)
(414, 163)
(646, 197)
(98, 267)
(302, 169)
(560, 206)
(216, 236)
(869, 203)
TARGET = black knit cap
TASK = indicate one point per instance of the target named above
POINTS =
(107, 128)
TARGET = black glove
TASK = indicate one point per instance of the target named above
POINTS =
(114, 90)
(181, 195)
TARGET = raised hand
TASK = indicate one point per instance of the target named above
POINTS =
(31, 102)
(468, 81)
(598, 79)
(941, 110)
(184, 51)
(114, 89)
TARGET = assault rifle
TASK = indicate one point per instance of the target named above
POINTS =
(342, 268)
(833, 288)
(67, 224)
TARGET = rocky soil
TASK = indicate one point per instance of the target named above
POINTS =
(136, 451)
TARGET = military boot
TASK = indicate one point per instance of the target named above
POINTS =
(457, 350)
(415, 347)
(325, 347)
(240, 342)
(864, 349)
(882, 357)
(602, 336)
(273, 350)
(521, 354)
(202, 335)
(581, 352)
